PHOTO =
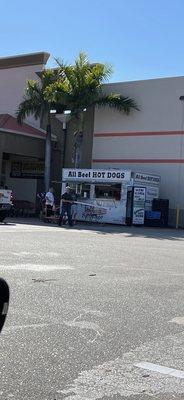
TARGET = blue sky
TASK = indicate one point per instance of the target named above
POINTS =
(140, 38)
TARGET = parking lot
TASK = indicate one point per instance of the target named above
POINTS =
(96, 312)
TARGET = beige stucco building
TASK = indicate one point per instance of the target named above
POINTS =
(24, 143)
(22, 148)
(150, 140)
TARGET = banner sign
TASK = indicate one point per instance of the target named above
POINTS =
(27, 169)
(146, 178)
(113, 212)
(96, 175)
(139, 205)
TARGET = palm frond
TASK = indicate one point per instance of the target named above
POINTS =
(102, 72)
(48, 76)
(57, 92)
(60, 63)
(66, 73)
(60, 68)
(73, 87)
(118, 102)
(33, 102)
(82, 60)
(26, 108)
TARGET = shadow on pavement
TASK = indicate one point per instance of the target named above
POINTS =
(106, 229)
(7, 223)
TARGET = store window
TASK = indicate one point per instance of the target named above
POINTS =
(80, 190)
(83, 191)
(108, 191)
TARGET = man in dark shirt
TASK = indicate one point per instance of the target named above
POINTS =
(67, 201)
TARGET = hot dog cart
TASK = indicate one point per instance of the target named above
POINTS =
(113, 196)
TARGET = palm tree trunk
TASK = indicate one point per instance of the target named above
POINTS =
(79, 141)
(47, 157)
(78, 149)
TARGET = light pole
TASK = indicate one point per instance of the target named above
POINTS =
(64, 118)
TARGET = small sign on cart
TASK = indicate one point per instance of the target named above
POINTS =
(139, 205)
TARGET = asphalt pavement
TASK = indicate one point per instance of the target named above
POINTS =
(96, 312)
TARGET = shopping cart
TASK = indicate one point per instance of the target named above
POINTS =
(43, 210)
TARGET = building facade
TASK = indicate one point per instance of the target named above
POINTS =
(150, 140)
(22, 148)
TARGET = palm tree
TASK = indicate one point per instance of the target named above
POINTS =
(79, 87)
(36, 103)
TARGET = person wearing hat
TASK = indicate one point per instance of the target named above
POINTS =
(67, 201)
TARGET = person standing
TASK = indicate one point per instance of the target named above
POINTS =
(49, 202)
(67, 201)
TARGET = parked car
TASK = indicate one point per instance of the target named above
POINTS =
(6, 203)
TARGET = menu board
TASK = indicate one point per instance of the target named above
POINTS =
(139, 205)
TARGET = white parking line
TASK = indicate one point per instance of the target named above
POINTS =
(20, 327)
(178, 320)
(161, 369)
(36, 267)
(125, 376)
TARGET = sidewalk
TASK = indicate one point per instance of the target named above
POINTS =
(136, 231)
